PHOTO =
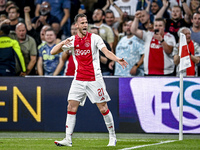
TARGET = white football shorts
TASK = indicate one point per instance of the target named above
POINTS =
(95, 90)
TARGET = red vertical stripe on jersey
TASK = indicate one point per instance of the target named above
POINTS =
(191, 70)
(156, 58)
(71, 67)
(83, 54)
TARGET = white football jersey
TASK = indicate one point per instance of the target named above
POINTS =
(85, 53)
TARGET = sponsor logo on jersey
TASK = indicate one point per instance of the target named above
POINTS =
(82, 52)
(153, 45)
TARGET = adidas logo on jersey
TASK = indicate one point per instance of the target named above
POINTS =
(77, 45)
(102, 98)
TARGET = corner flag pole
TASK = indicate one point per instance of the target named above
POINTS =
(181, 107)
(184, 64)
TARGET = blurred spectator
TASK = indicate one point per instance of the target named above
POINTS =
(194, 4)
(67, 59)
(105, 31)
(195, 32)
(87, 7)
(144, 20)
(60, 9)
(132, 50)
(28, 48)
(38, 36)
(23, 3)
(46, 19)
(3, 7)
(127, 6)
(48, 63)
(198, 9)
(104, 61)
(30, 30)
(120, 32)
(13, 16)
(109, 14)
(176, 21)
(194, 51)
(110, 19)
(3, 17)
(195, 29)
(158, 45)
(9, 48)
(9, 4)
(42, 35)
(153, 8)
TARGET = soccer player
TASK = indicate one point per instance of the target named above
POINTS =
(88, 80)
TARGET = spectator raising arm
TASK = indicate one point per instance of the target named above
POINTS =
(65, 17)
(134, 27)
(148, 5)
(188, 12)
(27, 17)
(163, 9)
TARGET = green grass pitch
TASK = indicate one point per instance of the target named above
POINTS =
(97, 141)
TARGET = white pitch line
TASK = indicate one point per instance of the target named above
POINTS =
(162, 142)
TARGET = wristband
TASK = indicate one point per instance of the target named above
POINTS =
(162, 41)
(136, 64)
(113, 4)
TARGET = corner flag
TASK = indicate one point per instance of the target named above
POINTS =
(184, 53)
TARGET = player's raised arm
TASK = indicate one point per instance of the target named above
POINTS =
(113, 57)
(58, 48)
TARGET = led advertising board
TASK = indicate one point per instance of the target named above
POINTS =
(156, 102)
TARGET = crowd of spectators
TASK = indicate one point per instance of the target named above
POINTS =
(144, 32)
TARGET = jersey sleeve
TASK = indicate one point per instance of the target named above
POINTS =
(66, 48)
(99, 42)
(170, 39)
(40, 51)
(17, 50)
(196, 48)
(175, 50)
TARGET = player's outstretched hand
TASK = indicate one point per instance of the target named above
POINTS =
(67, 42)
(122, 62)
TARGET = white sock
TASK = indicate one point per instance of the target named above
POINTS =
(70, 123)
(108, 118)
